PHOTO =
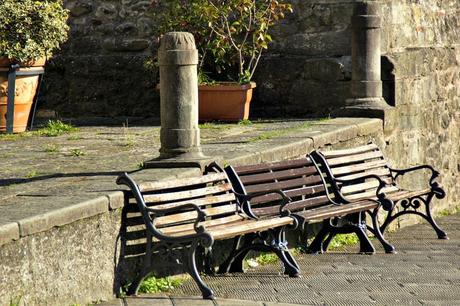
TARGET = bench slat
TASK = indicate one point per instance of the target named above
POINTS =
(290, 193)
(192, 215)
(250, 226)
(279, 175)
(371, 184)
(340, 170)
(187, 194)
(183, 182)
(293, 206)
(284, 185)
(208, 200)
(206, 224)
(354, 158)
(258, 168)
(330, 211)
(352, 151)
(371, 194)
(368, 168)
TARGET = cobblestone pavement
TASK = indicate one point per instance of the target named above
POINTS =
(425, 271)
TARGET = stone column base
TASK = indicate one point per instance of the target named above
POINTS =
(369, 108)
(179, 163)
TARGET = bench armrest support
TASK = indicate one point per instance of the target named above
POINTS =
(386, 203)
(149, 220)
(435, 186)
(247, 206)
(400, 172)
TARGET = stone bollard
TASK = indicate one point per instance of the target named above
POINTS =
(366, 86)
(180, 134)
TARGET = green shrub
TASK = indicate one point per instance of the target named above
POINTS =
(230, 34)
(31, 29)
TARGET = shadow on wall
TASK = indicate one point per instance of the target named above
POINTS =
(388, 80)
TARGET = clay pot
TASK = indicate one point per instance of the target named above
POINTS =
(26, 89)
(225, 101)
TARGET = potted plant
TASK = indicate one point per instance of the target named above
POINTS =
(231, 36)
(29, 32)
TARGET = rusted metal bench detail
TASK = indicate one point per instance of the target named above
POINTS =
(360, 171)
(182, 215)
(311, 199)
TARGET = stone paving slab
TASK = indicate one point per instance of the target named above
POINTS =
(52, 181)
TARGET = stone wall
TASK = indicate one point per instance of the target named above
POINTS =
(100, 70)
(422, 41)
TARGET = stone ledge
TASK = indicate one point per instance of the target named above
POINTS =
(62, 216)
(116, 200)
(8, 232)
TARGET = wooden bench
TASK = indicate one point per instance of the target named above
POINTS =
(351, 170)
(311, 199)
(182, 215)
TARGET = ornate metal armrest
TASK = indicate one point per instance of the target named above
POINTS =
(386, 203)
(434, 173)
(200, 232)
(247, 206)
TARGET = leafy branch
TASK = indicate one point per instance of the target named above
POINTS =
(231, 35)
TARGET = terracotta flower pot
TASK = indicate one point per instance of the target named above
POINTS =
(26, 88)
(225, 101)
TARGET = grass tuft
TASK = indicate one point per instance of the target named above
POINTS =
(77, 152)
(56, 128)
(342, 240)
(15, 301)
(51, 148)
(245, 122)
(156, 285)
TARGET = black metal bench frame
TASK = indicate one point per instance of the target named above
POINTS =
(356, 223)
(352, 223)
(407, 206)
(182, 249)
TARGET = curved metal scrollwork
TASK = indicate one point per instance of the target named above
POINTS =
(413, 205)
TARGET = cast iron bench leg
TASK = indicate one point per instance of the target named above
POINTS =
(316, 247)
(277, 245)
(321, 242)
(375, 229)
(410, 206)
(193, 271)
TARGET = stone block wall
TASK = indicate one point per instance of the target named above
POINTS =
(422, 41)
(100, 70)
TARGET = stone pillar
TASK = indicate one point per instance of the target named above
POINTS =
(366, 88)
(180, 134)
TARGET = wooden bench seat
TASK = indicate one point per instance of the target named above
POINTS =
(311, 198)
(350, 170)
(194, 212)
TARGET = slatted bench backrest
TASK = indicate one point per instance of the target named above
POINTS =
(299, 179)
(212, 193)
(356, 163)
